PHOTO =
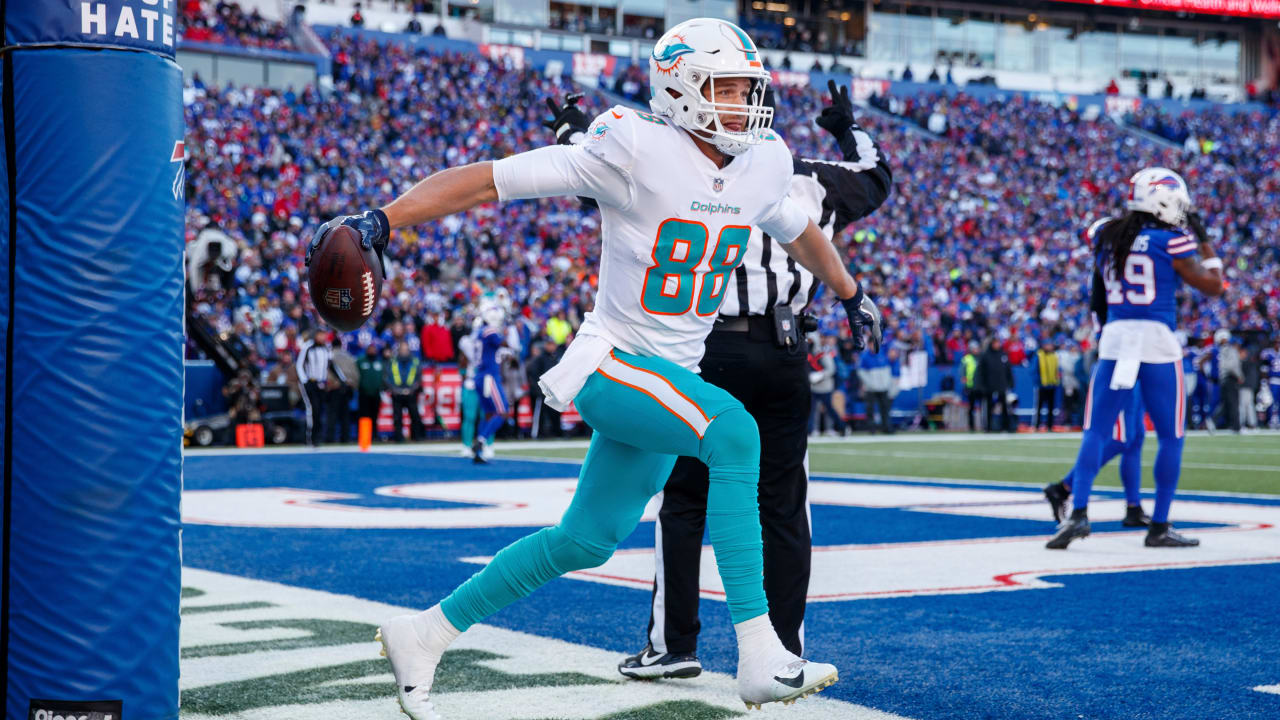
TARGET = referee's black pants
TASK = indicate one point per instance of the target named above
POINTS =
(314, 399)
(773, 384)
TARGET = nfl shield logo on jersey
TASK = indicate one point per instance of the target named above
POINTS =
(717, 184)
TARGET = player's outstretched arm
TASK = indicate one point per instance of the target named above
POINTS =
(444, 193)
(814, 251)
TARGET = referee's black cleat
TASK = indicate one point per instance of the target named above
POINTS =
(1135, 517)
(1076, 526)
(1163, 535)
(649, 665)
(1057, 494)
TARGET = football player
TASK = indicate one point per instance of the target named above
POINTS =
(1142, 258)
(1271, 366)
(768, 291)
(494, 407)
(679, 190)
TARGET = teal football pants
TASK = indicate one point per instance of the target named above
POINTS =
(645, 412)
(470, 406)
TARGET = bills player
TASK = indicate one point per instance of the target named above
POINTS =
(1141, 257)
(468, 358)
(1271, 366)
(679, 190)
(494, 406)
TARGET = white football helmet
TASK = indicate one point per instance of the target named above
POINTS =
(700, 51)
(1161, 192)
(492, 313)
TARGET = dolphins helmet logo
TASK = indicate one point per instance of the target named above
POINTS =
(667, 58)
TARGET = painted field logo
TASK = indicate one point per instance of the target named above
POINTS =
(338, 298)
(254, 650)
(75, 710)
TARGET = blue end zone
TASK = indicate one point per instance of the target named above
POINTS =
(1167, 644)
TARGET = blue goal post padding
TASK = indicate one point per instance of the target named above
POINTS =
(91, 287)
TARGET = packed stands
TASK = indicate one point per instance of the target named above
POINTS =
(226, 23)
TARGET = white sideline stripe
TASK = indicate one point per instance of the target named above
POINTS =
(1273, 689)
(1030, 459)
(660, 388)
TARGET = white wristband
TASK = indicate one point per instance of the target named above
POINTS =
(1213, 263)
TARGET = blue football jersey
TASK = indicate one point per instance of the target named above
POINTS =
(1144, 288)
(492, 339)
(1271, 363)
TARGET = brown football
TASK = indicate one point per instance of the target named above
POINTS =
(345, 279)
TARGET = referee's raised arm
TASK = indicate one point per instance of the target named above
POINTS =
(853, 187)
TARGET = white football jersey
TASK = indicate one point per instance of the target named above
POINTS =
(668, 252)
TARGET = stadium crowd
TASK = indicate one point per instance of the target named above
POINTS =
(990, 258)
(226, 23)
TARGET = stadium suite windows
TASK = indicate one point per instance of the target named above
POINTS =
(1060, 38)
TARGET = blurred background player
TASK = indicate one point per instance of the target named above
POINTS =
(494, 408)
(1139, 259)
(1126, 441)
(762, 323)
(1271, 368)
(468, 359)
(630, 369)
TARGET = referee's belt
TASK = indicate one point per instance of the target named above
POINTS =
(781, 329)
(761, 323)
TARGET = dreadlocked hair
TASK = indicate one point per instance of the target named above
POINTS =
(1115, 240)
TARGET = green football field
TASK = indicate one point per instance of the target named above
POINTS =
(1221, 462)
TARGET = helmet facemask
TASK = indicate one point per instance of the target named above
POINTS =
(707, 117)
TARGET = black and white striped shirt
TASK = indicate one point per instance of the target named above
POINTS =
(833, 194)
(313, 362)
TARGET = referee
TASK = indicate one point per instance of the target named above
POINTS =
(313, 374)
(759, 334)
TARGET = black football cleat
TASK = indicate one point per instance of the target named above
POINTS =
(1163, 535)
(477, 453)
(649, 665)
(1135, 517)
(1057, 494)
(1070, 529)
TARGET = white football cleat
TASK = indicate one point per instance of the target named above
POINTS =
(412, 665)
(785, 679)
